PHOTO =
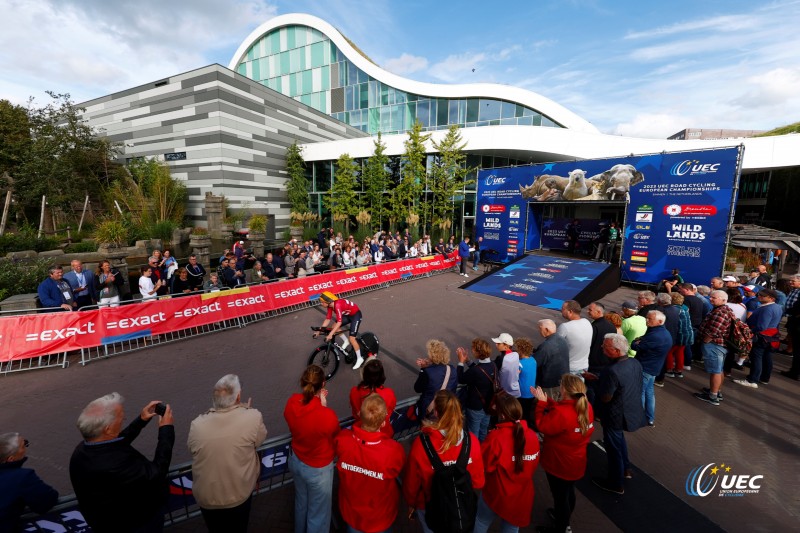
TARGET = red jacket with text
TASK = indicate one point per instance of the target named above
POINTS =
(563, 448)
(313, 427)
(369, 465)
(507, 492)
(357, 395)
(417, 478)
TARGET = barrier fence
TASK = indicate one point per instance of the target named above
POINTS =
(273, 456)
(45, 340)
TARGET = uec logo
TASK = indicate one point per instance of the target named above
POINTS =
(696, 486)
(685, 167)
(495, 180)
(698, 483)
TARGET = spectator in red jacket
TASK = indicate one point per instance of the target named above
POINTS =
(372, 380)
(313, 427)
(446, 435)
(369, 464)
(566, 426)
(510, 457)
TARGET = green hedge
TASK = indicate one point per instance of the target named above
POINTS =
(15, 242)
(22, 276)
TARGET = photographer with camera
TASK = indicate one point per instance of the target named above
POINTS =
(118, 488)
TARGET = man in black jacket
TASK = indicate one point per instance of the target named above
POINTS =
(20, 487)
(552, 359)
(118, 488)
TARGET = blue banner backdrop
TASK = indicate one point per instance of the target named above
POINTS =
(677, 216)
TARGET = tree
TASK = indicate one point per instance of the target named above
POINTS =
(375, 180)
(149, 193)
(448, 175)
(64, 158)
(407, 196)
(15, 136)
(342, 198)
(297, 186)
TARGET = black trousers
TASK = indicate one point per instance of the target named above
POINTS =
(563, 500)
(231, 520)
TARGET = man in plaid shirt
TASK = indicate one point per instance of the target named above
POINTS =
(713, 331)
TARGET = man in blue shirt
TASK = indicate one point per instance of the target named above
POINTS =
(764, 324)
(463, 253)
(651, 352)
(55, 292)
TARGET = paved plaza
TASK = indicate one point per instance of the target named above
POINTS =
(755, 432)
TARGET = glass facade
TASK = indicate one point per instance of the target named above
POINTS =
(303, 63)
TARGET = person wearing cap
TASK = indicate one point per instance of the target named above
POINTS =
(733, 282)
(749, 299)
(577, 331)
(508, 364)
(633, 325)
(238, 249)
(764, 324)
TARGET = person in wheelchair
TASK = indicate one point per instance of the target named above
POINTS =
(346, 313)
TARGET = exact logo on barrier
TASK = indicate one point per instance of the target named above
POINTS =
(693, 167)
(55, 334)
(702, 481)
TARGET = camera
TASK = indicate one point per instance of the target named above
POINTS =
(160, 409)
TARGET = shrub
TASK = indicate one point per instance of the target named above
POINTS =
(15, 242)
(112, 231)
(22, 276)
(199, 230)
(257, 223)
(163, 230)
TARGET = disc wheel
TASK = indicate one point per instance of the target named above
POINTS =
(324, 357)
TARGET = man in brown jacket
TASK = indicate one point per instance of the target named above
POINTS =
(223, 444)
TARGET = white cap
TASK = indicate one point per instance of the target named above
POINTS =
(729, 278)
(504, 338)
(241, 242)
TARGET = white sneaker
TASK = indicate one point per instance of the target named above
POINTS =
(466, 275)
(358, 364)
(746, 383)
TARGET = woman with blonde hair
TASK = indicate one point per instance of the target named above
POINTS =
(313, 427)
(435, 373)
(567, 427)
(445, 437)
(510, 457)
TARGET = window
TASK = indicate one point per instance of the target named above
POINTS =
(489, 110)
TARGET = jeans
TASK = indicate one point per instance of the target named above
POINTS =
(563, 492)
(617, 453)
(485, 517)
(648, 396)
(478, 423)
(714, 357)
(477, 259)
(760, 361)
(313, 491)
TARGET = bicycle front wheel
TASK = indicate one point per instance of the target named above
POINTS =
(324, 357)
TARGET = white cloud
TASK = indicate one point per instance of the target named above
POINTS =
(93, 47)
(457, 67)
(406, 64)
(651, 125)
(725, 23)
(777, 87)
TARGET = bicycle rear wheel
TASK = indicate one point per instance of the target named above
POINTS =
(324, 357)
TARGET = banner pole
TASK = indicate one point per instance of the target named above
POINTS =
(734, 198)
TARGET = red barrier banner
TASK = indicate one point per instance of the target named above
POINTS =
(27, 336)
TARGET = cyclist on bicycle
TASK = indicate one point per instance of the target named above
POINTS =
(346, 312)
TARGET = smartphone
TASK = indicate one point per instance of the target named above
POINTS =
(160, 409)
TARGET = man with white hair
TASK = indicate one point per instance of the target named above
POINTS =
(552, 359)
(713, 331)
(577, 332)
(223, 443)
(651, 352)
(619, 409)
(20, 487)
(647, 302)
(118, 488)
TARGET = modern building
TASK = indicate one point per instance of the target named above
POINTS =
(298, 78)
(712, 133)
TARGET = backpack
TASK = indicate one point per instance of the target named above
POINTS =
(740, 339)
(488, 403)
(453, 503)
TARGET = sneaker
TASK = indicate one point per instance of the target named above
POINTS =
(706, 398)
(659, 384)
(678, 375)
(745, 383)
(688, 367)
(651, 424)
(605, 485)
(706, 390)
(474, 268)
(763, 382)
(628, 473)
(737, 366)
(466, 275)
(359, 362)
(670, 374)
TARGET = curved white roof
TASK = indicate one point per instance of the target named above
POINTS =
(525, 143)
(543, 105)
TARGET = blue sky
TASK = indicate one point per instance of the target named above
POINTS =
(645, 69)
